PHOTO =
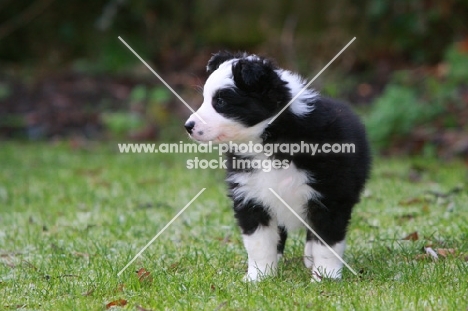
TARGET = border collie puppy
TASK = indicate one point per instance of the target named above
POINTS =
(241, 96)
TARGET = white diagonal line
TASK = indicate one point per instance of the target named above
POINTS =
(310, 82)
(160, 232)
(162, 80)
(315, 233)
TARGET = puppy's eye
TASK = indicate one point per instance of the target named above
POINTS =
(220, 102)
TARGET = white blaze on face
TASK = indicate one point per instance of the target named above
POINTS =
(218, 128)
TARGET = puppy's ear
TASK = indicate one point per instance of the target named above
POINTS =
(217, 59)
(252, 74)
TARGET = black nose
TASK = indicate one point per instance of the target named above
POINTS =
(189, 126)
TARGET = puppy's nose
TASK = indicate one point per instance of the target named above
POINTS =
(189, 126)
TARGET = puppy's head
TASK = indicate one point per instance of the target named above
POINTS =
(241, 95)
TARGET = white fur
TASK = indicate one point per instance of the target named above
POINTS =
(308, 260)
(262, 252)
(218, 128)
(301, 105)
(290, 184)
(322, 261)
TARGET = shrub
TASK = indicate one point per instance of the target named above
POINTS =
(433, 98)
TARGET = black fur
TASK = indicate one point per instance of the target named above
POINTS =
(240, 98)
(221, 57)
(260, 94)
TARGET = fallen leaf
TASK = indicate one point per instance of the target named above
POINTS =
(85, 256)
(144, 276)
(120, 288)
(116, 303)
(30, 264)
(226, 239)
(325, 294)
(174, 266)
(88, 293)
(444, 252)
(422, 257)
(7, 260)
(221, 306)
(79, 254)
(412, 236)
(406, 217)
(140, 308)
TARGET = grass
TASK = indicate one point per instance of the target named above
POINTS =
(71, 219)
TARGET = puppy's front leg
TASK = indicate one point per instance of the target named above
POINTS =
(260, 235)
(261, 248)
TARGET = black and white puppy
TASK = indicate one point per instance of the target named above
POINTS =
(242, 94)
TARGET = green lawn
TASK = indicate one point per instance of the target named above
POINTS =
(70, 220)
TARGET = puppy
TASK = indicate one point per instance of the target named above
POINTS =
(241, 96)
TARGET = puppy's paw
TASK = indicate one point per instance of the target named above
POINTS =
(255, 274)
(308, 262)
(250, 278)
(318, 274)
(316, 277)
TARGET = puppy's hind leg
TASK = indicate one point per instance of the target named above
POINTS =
(324, 262)
(321, 260)
(308, 259)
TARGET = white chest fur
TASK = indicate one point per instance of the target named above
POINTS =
(290, 184)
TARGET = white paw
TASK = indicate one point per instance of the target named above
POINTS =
(255, 274)
(250, 278)
(324, 262)
(309, 262)
(319, 273)
(316, 276)
(308, 255)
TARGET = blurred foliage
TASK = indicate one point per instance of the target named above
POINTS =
(395, 113)
(42, 36)
(418, 29)
(147, 110)
(5, 91)
(428, 97)
(121, 123)
(170, 32)
(457, 62)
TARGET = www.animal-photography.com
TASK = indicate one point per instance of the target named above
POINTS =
(233, 155)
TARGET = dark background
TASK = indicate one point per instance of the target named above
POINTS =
(64, 75)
